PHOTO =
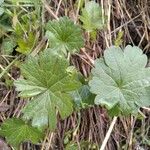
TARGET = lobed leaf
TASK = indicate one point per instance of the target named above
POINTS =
(121, 79)
(49, 84)
(64, 35)
(17, 131)
(91, 16)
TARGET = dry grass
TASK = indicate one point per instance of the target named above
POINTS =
(130, 17)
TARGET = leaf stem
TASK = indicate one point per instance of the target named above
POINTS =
(108, 133)
(4, 70)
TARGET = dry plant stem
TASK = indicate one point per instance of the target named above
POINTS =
(108, 133)
(58, 7)
(46, 5)
(5, 70)
(131, 133)
(77, 13)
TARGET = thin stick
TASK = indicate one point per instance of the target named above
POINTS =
(58, 7)
(78, 9)
(5, 70)
(46, 5)
(108, 133)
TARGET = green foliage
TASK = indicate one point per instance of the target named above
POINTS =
(83, 145)
(1, 8)
(52, 87)
(25, 33)
(7, 46)
(5, 24)
(64, 35)
(120, 78)
(16, 131)
(79, 4)
(24, 1)
(92, 18)
(48, 82)
(118, 41)
(83, 97)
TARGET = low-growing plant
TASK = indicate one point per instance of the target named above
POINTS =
(92, 18)
(119, 80)
(64, 36)
(16, 131)
(49, 84)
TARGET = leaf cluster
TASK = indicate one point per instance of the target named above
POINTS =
(52, 87)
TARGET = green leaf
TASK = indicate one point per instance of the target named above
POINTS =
(83, 145)
(64, 35)
(25, 45)
(91, 17)
(1, 11)
(83, 96)
(7, 46)
(17, 131)
(1, 2)
(120, 78)
(49, 84)
(119, 39)
(26, 32)
(24, 1)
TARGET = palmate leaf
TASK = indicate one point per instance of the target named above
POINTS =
(64, 35)
(16, 131)
(49, 84)
(92, 17)
(121, 79)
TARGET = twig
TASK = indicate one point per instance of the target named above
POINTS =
(58, 7)
(146, 108)
(77, 12)
(108, 133)
(4, 70)
(46, 5)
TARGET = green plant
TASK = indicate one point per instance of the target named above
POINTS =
(121, 82)
(92, 18)
(120, 78)
(64, 35)
(16, 131)
(26, 33)
(7, 46)
(1, 8)
(48, 83)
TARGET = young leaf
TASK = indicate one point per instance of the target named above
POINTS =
(48, 82)
(7, 46)
(25, 45)
(26, 32)
(17, 131)
(120, 78)
(64, 35)
(83, 96)
(92, 17)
